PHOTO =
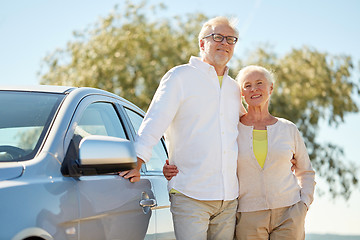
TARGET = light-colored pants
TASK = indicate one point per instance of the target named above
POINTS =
(200, 220)
(274, 224)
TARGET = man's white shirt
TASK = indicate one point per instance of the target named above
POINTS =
(200, 122)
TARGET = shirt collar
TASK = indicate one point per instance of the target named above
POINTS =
(198, 63)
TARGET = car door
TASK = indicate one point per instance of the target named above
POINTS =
(109, 204)
(160, 226)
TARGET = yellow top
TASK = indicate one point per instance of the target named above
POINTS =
(220, 79)
(174, 191)
(260, 144)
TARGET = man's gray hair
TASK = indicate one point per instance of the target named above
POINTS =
(205, 30)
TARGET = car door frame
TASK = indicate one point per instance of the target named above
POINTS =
(163, 219)
(142, 186)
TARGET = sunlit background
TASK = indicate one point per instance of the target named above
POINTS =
(32, 29)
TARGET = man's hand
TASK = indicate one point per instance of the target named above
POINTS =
(134, 174)
(169, 171)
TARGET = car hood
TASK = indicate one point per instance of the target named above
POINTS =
(10, 171)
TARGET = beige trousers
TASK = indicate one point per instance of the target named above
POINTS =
(200, 220)
(274, 224)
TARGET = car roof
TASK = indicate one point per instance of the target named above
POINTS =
(37, 88)
(63, 90)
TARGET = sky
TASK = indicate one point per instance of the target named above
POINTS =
(29, 30)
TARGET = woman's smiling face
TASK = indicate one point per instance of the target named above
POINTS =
(256, 88)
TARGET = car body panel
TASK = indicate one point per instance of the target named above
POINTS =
(38, 200)
(11, 170)
(117, 200)
(47, 201)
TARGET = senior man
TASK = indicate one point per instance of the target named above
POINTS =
(197, 107)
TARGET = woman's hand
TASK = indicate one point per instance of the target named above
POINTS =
(169, 171)
(294, 162)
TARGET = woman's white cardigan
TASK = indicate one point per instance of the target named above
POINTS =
(275, 185)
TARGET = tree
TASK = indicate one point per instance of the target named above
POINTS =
(128, 53)
(312, 87)
(125, 53)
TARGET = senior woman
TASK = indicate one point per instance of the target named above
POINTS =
(273, 196)
(273, 200)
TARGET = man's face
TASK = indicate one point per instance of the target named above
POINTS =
(217, 53)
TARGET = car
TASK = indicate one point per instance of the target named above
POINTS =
(61, 149)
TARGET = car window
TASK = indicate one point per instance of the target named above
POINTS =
(24, 120)
(100, 118)
(159, 155)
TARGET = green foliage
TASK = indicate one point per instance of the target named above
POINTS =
(126, 53)
(129, 51)
(313, 87)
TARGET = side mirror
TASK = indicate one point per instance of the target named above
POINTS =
(104, 154)
(99, 155)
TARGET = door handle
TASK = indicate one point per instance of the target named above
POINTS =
(146, 203)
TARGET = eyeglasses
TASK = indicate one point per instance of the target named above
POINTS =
(219, 38)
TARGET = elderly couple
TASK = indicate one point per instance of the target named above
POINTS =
(230, 171)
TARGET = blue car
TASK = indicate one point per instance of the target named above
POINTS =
(61, 149)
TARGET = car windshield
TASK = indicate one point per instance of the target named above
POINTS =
(24, 120)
